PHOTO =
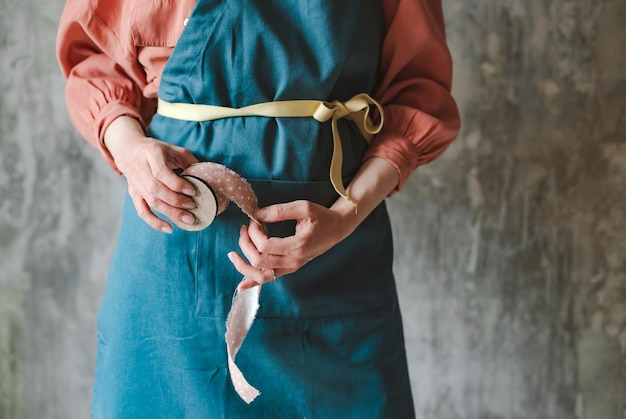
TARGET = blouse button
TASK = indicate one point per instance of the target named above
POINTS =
(185, 22)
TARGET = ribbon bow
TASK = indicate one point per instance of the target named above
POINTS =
(357, 110)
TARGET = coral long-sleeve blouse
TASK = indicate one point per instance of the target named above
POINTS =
(113, 52)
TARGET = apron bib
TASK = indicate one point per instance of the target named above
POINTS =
(328, 339)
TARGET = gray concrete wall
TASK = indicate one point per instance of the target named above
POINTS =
(510, 249)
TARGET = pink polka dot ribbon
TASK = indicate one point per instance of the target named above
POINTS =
(216, 187)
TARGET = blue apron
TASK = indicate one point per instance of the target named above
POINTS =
(328, 340)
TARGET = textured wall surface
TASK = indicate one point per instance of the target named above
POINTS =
(510, 249)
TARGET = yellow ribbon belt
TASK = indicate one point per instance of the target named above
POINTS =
(356, 109)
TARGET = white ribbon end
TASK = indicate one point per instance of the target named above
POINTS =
(239, 321)
(242, 387)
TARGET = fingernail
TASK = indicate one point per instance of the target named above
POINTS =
(188, 219)
(189, 204)
(189, 191)
(166, 229)
(261, 214)
(231, 257)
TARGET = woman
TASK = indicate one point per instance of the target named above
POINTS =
(328, 338)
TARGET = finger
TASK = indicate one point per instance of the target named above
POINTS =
(266, 245)
(150, 196)
(278, 246)
(256, 258)
(258, 236)
(295, 210)
(244, 268)
(248, 248)
(259, 276)
(291, 258)
(166, 176)
(248, 283)
(155, 191)
(144, 212)
(173, 213)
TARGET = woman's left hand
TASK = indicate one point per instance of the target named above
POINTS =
(317, 230)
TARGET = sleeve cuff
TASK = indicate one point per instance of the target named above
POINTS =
(398, 151)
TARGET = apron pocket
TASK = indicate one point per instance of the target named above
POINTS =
(354, 276)
(216, 278)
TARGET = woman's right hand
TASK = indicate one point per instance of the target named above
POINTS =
(148, 165)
